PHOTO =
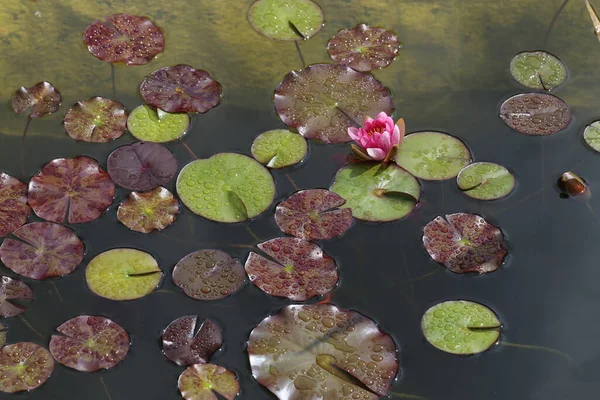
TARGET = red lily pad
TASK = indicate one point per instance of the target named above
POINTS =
(24, 366)
(299, 270)
(142, 166)
(313, 215)
(181, 346)
(42, 99)
(89, 343)
(96, 120)
(12, 289)
(181, 88)
(364, 48)
(321, 351)
(149, 211)
(126, 38)
(465, 243)
(536, 113)
(202, 381)
(45, 250)
(209, 275)
(14, 209)
(323, 100)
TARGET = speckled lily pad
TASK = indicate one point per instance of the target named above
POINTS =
(158, 126)
(181, 346)
(14, 209)
(123, 274)
(226, 187)
(209, 275)
(321, 351)
(202, 381)
(323, 100)
(148, 211)
(24, 366)
(42, 99)
(433, 155)
(43, 251)
(538, 70)
(89, 343)
(286, 19)
(279, 148)
(376, 192)
(12, 289)
(536, 113)
(298, 269)
(461, 327)
(96, 120)
(465, 243)
(485, 181)
(591, 135)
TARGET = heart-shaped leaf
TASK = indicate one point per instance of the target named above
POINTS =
(97, 120)
(538, 70)
(24, 366)
(279, 148)
(536, 113)
(181, 346)
(43, 251)
(149, 211)
(14, 209)
(591, 135)
(485, 181)
(12, 289)
(42, 99)
(286, 19)
(149, 125)
(202, 381)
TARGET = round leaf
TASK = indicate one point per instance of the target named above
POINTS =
(226, 187)
(279, 148)
(96, 120)
(123, 274)
(485, 181)
(322, 101)
(14, 209)
(209, 275)
(202, 381)
(42, 99)
(12, 289)
(377, 192)
(591, 135)
(536, 113)
(313, 215)
(461, 327)
(24, 366)
(181, 346)
(149, 211)
(286, 19)
(43, 251)
(300, 270)
(157, 126)
(465, 243)
(538, 70)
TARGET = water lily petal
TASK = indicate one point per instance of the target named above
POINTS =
(385, 142)
(376, 154)
(353, 133)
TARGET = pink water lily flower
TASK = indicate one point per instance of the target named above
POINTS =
(379, 137)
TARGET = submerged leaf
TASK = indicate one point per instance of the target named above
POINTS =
(538, 70)
(202, 381)
(24, 366)
(159, 127)
(42, 99)
(14, 209)
(149, 211)
(286, 19)
(181, 346)
(591, 135)
(279, 148)
(12, 289)
(571, 184)
(97, 120)
(485, 181)
(536, 113)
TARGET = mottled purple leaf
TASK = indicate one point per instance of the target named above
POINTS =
(181, 346)
(202, 381)
(14, 209)
(24, 366)
(536, 114)
(149, 211)
(42, 99)
(12, 289)
(96, 120)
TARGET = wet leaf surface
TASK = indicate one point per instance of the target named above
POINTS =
(209, 275)
(2, 335)
(74, 188)
(461, 327)
(323, 100)
(375, 192)
(158, 126)
(181, 89)
(97, 120)
(572, 184)
(465, 243)
(42, 99)
(125, 38)
(142, 166)
(538, 70)
(313, 215)
(89, 343)
(321, 351)
(184, 348)
(24, 366)
(10, 290)
(279, 148)
(536, 113)
(202, 381)
(297, 269)
(485, 181)
(44, 250)
(364, 48)
(123, 274)
(591, 135)
(226, 187)
(286, 19)
(14, 209)
(149, 211)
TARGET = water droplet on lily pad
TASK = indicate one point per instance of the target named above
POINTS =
(42, 99)
(279, 148)
(13, 204)
(97, 120)
(148, 211)
(538, 70)
(147, 125)
(286, 19)
(182, 345)
(485, 181)
(536, 113)
(24, 366)
(591, 135)
(11, 290)
(201, 381)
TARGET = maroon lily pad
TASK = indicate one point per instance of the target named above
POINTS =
(321, 351)
(45, 250)
(96, 120)
(181, 88)
(142, 166)
(89, 343)
(465, 243)
(536, 113)
(14, 209)
(323, 100)
(148, 211)
(181, 346)
(24, 366)
(299, 270)
(42, 99)
(364, 48)
(126, 38)
(12, 289)
(209, 275)
(74, 187)
(313, 215)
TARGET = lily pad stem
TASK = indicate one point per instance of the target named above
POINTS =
(23, 145)
(542, 348)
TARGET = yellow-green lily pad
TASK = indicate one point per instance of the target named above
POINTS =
(158, 126)
(538, 70)
(286, 19)
(279, 148)
(486, 181)
(591, 135)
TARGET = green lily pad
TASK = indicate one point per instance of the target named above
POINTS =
(226, 187)
(434, 156)
(377, 192)
(159, 126)
(486, 181)
(591, 135)
(461, 327)
(286, 19)
(279, 148)
(538, 70)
